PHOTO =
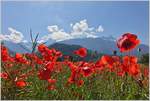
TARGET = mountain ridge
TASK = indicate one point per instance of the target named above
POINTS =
(101, 45)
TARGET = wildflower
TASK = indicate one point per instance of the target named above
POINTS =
(58, 53)
(4, 54)
(146, 72)
(127, 42)
(130, 59)
(74, 76)
(82, 52)
(4, 75)
(51, 87)
(80, 83)
(34, 58)
(50, 66)
(134, 69)
(20, 83)
(87, 71)
(44, 74)
(107, 60)
(121, 73)
(19, 58)
(52, 81)
(42, 48)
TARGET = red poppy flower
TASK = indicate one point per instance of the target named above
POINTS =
(20, 83)
(42, 47)
(34, 58)
(80, 83)
(50, 66)
(4, 54)
(52, 81)
(129, 59)
(82, 52)
(71, 79)
(121, 73)
(58, 53)
(87, 71)
(19, 58)
(51, 87)
(99, 65)
(116, 58)
(4, 75)
(107, 60)
(74, 76)
(146, 72)
(127, 42)
(134, 69)
(44, 74)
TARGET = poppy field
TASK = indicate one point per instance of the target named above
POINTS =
(42, 76)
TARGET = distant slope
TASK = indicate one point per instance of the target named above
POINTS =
(68, 50)
(18, 47)
(103, 45)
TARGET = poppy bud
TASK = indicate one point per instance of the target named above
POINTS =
(115, 52)
(139, 50)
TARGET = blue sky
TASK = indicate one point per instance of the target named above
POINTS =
(116, 17)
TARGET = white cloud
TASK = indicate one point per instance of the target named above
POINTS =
(80, 29)
(53, 28)
(100, 29)
(3, 37)
(44, 38)
(80, 26)
(71, 25)
(25, 41)
(60, 36)
(14, 36)
(56, 34)
(91, 36)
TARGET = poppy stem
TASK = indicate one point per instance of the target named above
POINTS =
(139, 54)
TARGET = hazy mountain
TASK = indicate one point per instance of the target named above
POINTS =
(69, 49)
(103, 45)
(18, 47)
(66, 49)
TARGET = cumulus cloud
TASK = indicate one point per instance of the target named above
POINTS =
(25, 41)
(80, 29)
(57, 34)
(71, 25)
(100, 29)
(60, 36)
(44, 38)
(14, 36)
(3, 37)
(53, 28)
(80, 26)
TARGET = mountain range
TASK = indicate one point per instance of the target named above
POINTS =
(104, 45)
(101, 45)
